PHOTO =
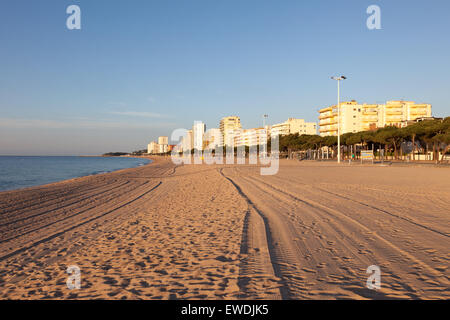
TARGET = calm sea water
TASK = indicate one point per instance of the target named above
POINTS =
(20, 172)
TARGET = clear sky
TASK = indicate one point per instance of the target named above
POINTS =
(141, 68)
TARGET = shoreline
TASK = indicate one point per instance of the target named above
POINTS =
(75, 178)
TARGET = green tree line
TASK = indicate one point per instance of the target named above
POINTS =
(425, 136)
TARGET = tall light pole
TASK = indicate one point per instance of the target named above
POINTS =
(338, 79)
(266, 132)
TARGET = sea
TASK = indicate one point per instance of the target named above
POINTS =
(18, 172)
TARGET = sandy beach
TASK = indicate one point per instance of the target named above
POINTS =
(162, 231)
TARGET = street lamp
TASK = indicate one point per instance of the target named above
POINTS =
(338, 79)
(265, 131)
(265, 116)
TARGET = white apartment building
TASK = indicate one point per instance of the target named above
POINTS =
(396, 112)
(198, 130)
(153, 147)
(250, 137)
(355, 117)
(163, 148)
(187, 141)
(292, 126)
(158, 147)
(230, 127)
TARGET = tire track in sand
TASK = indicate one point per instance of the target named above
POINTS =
(313, 204)
(257, 269)
(59, 233)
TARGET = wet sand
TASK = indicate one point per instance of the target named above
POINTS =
(226, 232)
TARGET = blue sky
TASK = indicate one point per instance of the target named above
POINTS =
(141, 68)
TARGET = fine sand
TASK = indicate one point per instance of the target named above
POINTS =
(225, 232)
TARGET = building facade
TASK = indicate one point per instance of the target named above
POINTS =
(250, 137)
(212, 138)
(187, 141)
(163, 140)
(230, 127)
(355, 117)
(153, 147)
(396, 112)
(163, 148)
(292, 126)
(198, 130)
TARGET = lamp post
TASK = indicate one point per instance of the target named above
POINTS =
(266, 132)
(338, 79)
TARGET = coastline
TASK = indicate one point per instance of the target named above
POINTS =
(161, 231)
(74, 178)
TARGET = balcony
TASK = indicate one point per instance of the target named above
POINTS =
(326, 122)
(389, 106)
(325, 109)
(418, 112)
(328, 128)
(326, 115)
(418, 105)
(399, 112)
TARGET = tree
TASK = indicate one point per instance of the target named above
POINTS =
(391, 135)
(412, 132)
(435, 132)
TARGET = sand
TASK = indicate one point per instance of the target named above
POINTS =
(225, 232)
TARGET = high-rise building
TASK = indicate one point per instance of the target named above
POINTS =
(361, 117)
(198, 129)
(229, 127)
(292, 126)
